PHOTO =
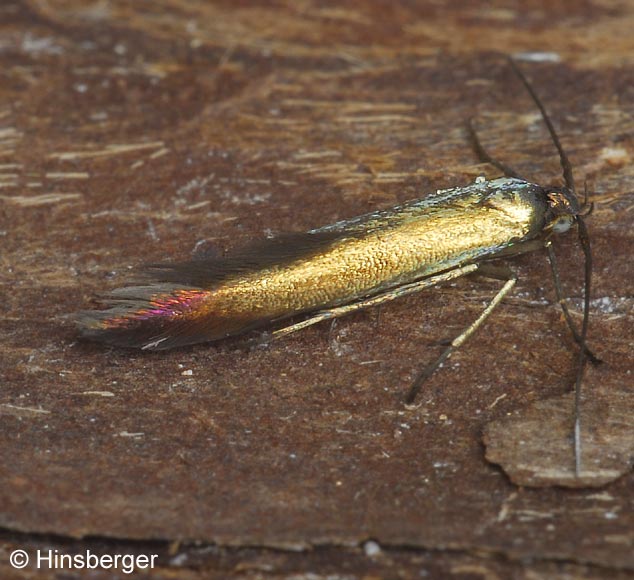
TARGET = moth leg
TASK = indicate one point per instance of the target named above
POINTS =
(458, 341)
(564, 307)
(532, 246)
(404, 290)
(483, 154)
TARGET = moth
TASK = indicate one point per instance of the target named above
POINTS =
(355, 263)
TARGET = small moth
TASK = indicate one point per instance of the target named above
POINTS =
(352, 264)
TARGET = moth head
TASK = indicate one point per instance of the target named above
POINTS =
(563, 209)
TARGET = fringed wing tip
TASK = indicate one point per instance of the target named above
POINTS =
(159, 317)
(139, 335)
(92, 326)
(141, 317)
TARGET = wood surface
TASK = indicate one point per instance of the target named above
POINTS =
(143, 132)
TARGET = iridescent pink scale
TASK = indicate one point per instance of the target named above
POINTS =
(179, 303)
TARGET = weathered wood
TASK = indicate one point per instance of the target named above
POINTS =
(134, 133)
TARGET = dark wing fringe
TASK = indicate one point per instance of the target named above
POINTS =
(158, 332)
(155, 335)
(265, 254)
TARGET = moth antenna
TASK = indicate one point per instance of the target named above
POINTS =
(587, 207)
(563, 158)
(584, 240)
(483, 154)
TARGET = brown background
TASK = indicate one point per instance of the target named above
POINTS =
(134, 133)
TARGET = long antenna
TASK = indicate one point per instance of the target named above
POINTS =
(584, 240)
(563, 158)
